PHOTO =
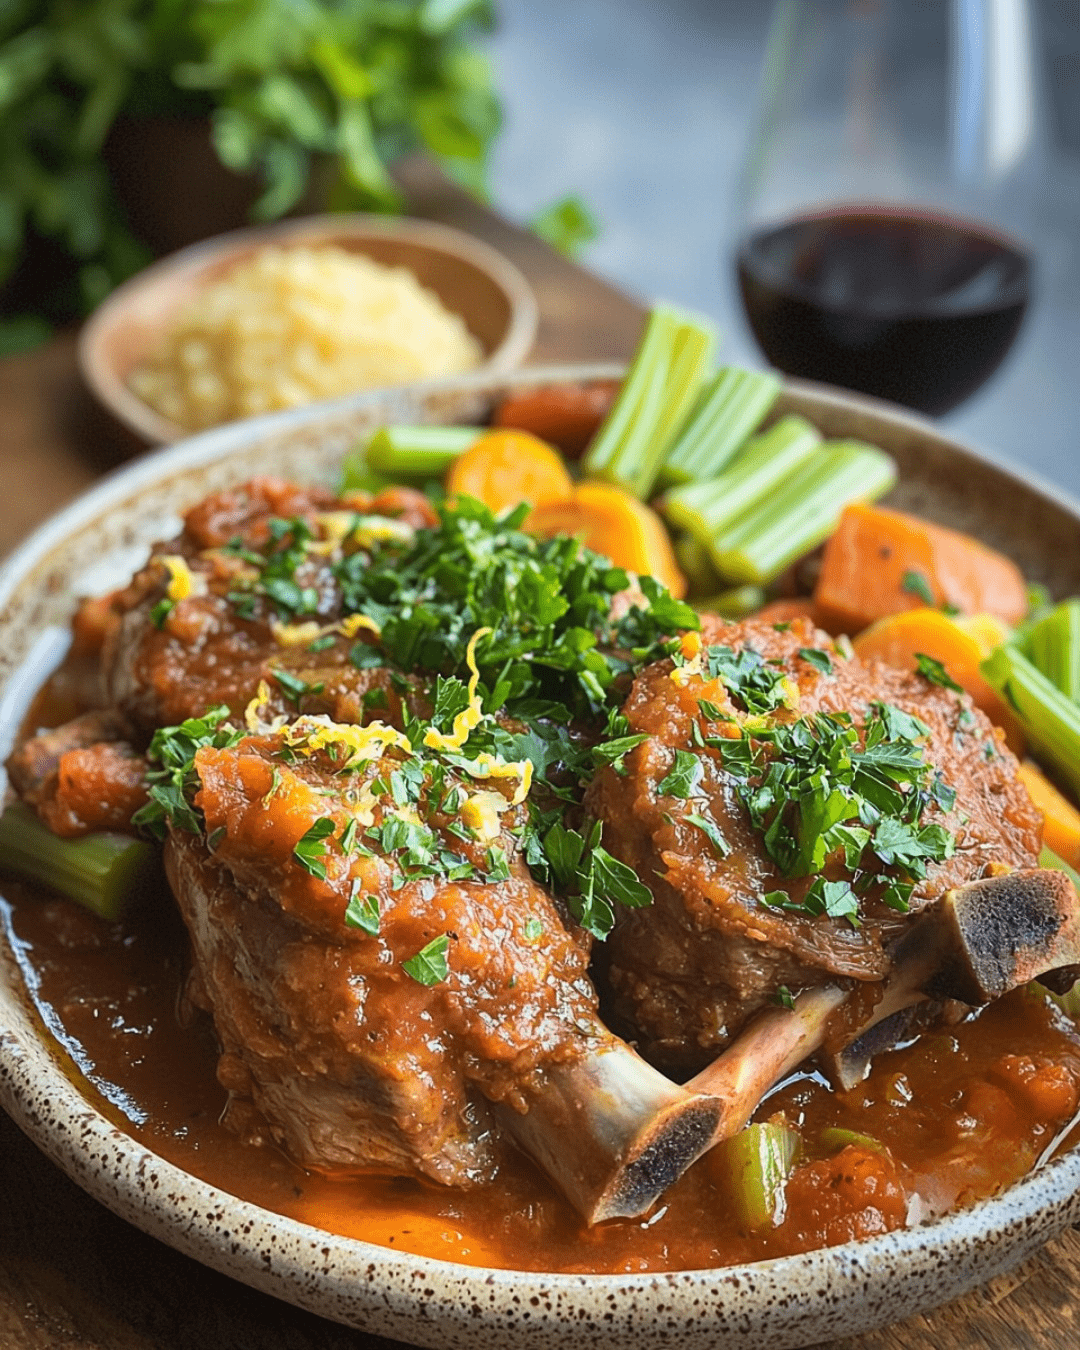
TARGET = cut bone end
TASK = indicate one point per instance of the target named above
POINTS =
(612, 1132)
(1003, 931)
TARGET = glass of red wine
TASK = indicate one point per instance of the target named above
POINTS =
(887, 206)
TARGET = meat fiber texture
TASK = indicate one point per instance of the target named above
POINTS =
(328, 1045)
(687, 971)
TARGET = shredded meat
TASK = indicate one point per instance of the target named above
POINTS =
(687, 971)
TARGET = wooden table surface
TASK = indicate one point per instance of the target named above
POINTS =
(71, 1273)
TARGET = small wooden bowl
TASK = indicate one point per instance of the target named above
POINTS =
(469, 277)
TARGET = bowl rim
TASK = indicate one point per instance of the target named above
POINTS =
(138, 1176)
(113, 393)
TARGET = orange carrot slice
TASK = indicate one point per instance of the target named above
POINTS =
(1061, 820)
(612, 522)
(899, 639)
(503, 468)
(878, 561)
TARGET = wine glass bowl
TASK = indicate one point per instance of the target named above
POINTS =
(887, 200)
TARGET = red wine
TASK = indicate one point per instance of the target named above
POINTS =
(915, 308)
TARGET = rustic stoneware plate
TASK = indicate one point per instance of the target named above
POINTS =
(789, 1302)
(469, 277)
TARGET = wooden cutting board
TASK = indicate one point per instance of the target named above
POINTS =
(72, 1274)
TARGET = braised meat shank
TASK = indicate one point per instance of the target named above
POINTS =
(688, 971)
(329, 1044)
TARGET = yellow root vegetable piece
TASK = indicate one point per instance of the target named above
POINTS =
(1061, 820)
(901, 638)
(507, 467)
(611, 521)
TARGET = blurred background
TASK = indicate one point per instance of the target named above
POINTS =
(635, 116)
(645, 111)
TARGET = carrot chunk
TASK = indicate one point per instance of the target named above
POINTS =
(1061, 820)
(899, 640)
(507, 467)
(566, 415)
(611, 521)
(881, 562)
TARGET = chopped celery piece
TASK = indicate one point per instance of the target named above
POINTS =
(105, 872)
(731, 406)
(358, 476)
(704, 509)
(734, 604)
(1069, 1002)
(1048, 858)
(419, 452)
(696, 565)
(753, 1167)
(802, 511)
(1053, 646)
(664, 378)
(836, 1139)
(1050, 721)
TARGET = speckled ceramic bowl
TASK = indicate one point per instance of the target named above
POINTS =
(789, 1302)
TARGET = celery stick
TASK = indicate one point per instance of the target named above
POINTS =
(753, 1167)
(704, 509)
(419, 452)
(696, 565)
(358, 476)
(105, 872)
(657, 395)
(736, 603)
(801, 512)
(1048, 858)
(730, 407)
(1069, 1002)
(1051, 721)
(835, 1138)
(1053, 646)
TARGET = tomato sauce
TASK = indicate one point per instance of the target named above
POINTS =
(957, 1115)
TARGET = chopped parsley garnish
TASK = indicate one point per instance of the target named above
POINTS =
(819, 659)
(936, 673)
(161, 612)
(362, 912)
(916, 583)
(684, 776)
(311, 847)
(429, 966)
(814, 791)
(172, 787)
(758, 686)
(293, 687)
(784, 998)
(711, 831)
(533, 929)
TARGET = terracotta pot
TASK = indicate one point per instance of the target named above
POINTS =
(175, 191)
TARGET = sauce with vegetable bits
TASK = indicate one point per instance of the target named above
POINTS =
(953, 1117)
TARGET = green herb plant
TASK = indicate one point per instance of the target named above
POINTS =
(351, 84)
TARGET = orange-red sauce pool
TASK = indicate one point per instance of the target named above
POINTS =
(962, 1112)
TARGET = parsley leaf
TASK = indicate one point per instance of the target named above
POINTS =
(818, 658)
(916, 583)
(173, 785)
(362, 911)
(293, 687)
(429, 966)
(711, 832)
(936, 673)
(311, 847)
(684, 776)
